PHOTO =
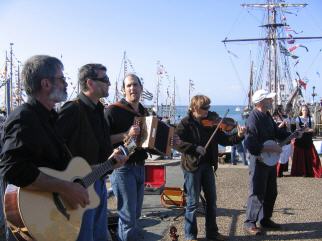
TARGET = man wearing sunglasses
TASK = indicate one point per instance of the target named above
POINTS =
(86, 133)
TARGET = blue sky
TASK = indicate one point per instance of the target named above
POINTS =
(184, 35)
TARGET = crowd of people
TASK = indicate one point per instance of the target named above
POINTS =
(35, 135)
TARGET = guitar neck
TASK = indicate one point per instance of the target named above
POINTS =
(290, 137)
(98, 172)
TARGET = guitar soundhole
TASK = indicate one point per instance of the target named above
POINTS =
(79, 181)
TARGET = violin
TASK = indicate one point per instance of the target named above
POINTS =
(213, 119)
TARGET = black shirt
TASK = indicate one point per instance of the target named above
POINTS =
(260, 128)
(84, 129)
(120, 120)
(31, 141)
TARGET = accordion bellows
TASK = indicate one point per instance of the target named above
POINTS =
(155, 135)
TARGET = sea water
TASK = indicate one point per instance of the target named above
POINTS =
(235, 112)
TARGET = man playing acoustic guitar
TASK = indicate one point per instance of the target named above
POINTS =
(31, 141)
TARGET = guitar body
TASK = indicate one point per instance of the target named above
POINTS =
(35, 213)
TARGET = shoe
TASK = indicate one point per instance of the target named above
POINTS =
(269, 224)
(219, 237)
(253, 230)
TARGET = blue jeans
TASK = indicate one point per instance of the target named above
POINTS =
(128, 187)
(203, 178)
(241, 151)
(94, 223)
(262, 193)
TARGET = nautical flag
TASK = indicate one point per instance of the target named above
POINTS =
(302, 84)
(147, 95)
(291, 49)
(289, 29)
(291, 41)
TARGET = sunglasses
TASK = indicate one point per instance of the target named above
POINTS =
(207, 107)
(104, 79)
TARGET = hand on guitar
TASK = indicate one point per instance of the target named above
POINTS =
(74, 194)
(119, 157)
(272, 147)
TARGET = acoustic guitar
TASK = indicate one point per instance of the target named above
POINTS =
(43, 216)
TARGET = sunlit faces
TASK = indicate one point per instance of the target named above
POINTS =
(201, 112)
(267, 103)
(132, 89)
(58, 91)
(304, 111)
(101, 84)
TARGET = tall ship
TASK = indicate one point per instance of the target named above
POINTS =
(275, 65)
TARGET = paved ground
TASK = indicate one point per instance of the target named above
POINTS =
(298, 207)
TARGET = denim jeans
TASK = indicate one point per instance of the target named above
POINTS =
(241, 152)
(203, 178)
(94, 223)
(128, 187)
(262, 193)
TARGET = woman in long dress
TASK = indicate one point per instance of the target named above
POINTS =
(306, 161)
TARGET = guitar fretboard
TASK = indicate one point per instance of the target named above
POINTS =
(97, 173)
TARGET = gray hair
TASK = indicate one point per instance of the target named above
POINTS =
(35, 69)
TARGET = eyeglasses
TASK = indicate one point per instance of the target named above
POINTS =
(207, 107)
(62, 78)
(104, 79)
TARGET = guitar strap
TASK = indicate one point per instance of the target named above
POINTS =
(59, 140)
(124, 107)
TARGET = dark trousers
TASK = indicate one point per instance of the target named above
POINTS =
(262, 193)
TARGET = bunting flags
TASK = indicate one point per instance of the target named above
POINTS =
(147, 95)
(293, 48)
(302, 84)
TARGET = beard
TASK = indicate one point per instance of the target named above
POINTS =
(58, 95)
(269, 105)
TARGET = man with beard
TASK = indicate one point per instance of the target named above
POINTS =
(262, 173)
(128, 181)
(30, 138)
(82, 125)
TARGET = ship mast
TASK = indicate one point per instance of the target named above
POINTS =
(274, 83)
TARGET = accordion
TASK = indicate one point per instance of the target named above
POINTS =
(156, 136)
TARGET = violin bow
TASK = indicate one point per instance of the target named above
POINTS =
(215, 131)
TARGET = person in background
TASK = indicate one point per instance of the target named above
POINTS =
(128, 181)
(306, 161)
(284, 122)
(262, 173)
(82, 125)
(198, 164)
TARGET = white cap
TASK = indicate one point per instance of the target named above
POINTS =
(260, 95)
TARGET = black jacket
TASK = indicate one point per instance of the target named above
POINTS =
(83, 127)
(193, 134)
(31, 141)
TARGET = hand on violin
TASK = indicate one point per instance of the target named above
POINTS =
(241, 130)
(201, 150)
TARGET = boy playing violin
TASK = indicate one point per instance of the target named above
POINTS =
(197, 162)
